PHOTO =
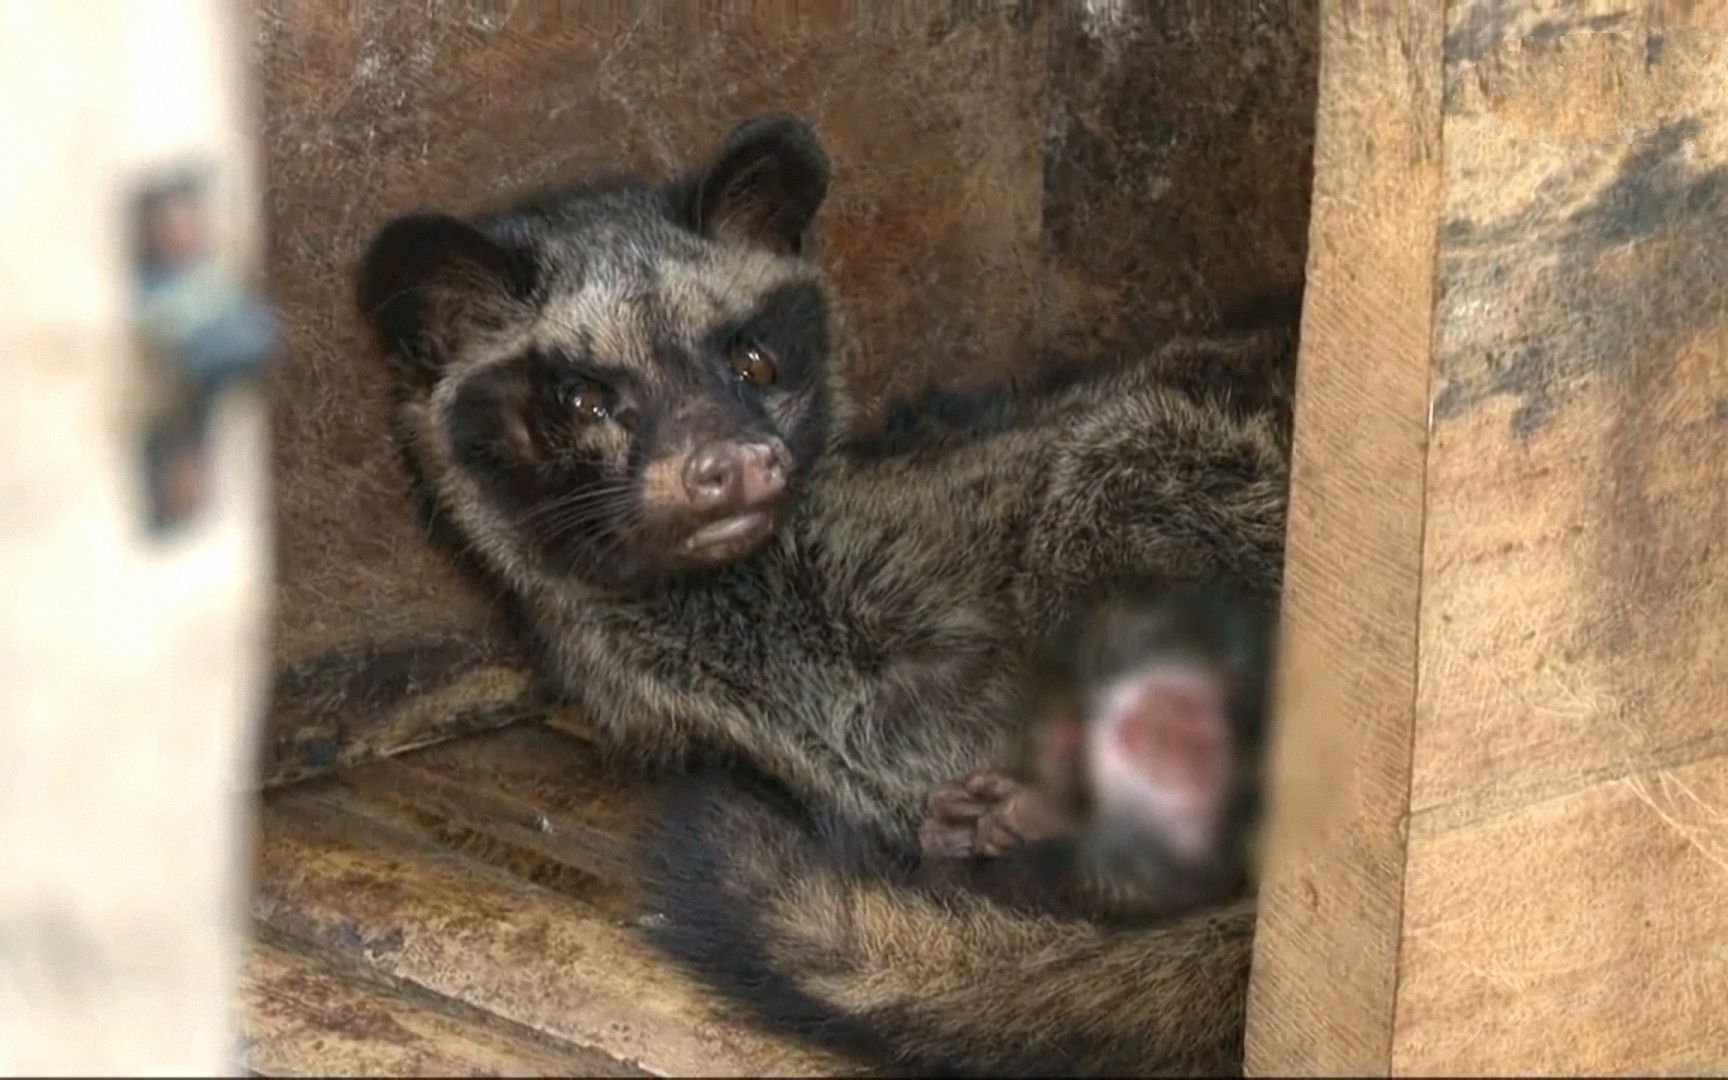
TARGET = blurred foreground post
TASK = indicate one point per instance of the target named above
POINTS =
(131, 639)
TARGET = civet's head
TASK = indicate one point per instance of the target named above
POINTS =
(623, 381)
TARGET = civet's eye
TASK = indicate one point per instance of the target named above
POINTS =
(589, 403)
(754, 364)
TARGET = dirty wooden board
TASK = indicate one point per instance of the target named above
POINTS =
(1011, 181)
(311, 1013)
(1177, 159)
(468, 906)
(348, 705)
(1567, 897)
(1563, 876)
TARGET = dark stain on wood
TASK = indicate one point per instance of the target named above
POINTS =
(1178, 150)
(377, 674)
(1587, 307)
(351, 938)
(1634, 271)
(1487, 24)
(1657, 190)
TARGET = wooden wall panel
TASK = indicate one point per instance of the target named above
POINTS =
(1568, 853)
(1546, 886)
(1176, 178)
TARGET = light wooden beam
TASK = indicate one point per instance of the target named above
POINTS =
(1501, 842)
(130, 664)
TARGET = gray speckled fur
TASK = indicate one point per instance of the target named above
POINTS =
(872, 649)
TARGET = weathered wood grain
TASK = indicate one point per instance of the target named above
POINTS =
(1327, 945)
(353, 705)
(308, 1013)
(1555, 902)
(530, 801)
(1176, 172)
(1568, 854)
(345, 882)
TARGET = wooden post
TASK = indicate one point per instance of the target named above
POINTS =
(131, 660)
(1501, 835)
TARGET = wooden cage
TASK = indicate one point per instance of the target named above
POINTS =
(1495, 845)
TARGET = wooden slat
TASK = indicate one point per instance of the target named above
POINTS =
(310, 1014)
(1580, 935)
(536, 803)
(340, 882)
(560, 771)
(350, 706)
(1557, 579)
(1327, 946)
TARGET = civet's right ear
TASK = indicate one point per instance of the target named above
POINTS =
(429, 282)
(763, 187)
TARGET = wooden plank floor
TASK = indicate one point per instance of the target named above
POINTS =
(465, 910)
